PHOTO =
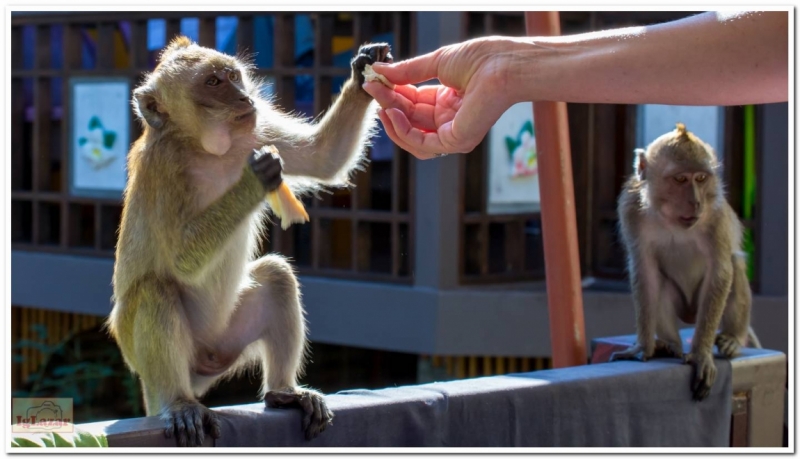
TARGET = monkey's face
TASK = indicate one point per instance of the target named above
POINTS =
(200, 92)
(682, 193)
(217, 86)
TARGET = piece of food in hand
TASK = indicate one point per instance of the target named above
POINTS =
(284, 204)
(372, 75)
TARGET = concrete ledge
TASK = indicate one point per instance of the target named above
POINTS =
(615, 404)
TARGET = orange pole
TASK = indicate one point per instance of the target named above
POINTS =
(559, 229)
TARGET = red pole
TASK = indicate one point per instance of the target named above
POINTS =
(559, 229)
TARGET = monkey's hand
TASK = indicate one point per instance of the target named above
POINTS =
(668, 349)
(367, 55)
(635, 352)
(188, 421)
(705, 372)
(728, 345)
(268, 168)
(317, 417)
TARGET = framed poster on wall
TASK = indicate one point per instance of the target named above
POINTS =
(513, 167)
(100, 112)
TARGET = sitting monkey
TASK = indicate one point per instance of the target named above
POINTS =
(683, 242)
(192, 304)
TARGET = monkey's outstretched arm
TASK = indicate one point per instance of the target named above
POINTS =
(205, 233)
(330, 149)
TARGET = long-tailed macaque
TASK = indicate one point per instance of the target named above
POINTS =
(683, 242)
(192, 303)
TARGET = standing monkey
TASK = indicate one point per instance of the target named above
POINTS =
(683, 243)
(192, 304)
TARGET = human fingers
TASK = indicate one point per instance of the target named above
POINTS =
(423, 145)
(410, 71)
(388, 127)
(421, 115)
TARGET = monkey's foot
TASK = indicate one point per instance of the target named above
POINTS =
(367, 55)
(188, 421)
(705, 372)
(317, 415)
(635, 352)
(667, 349)
(728, 345)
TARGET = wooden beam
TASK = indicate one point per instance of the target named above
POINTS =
(559, 228)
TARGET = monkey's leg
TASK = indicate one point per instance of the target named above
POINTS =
(668, 341)
(160, 339)
(736, 318)
(271, 312)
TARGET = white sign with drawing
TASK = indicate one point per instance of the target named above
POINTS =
(101, 113)
(513, 166)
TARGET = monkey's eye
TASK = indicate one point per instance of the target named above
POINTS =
(234, 76)
(680, 179)
(701, 178)
(212, 81)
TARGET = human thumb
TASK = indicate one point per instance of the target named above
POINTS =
(410, 71)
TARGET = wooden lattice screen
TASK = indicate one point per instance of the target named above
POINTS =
(363, 233)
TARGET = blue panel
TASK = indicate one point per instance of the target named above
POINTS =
(156, 34)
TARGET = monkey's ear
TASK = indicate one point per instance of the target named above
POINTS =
(640, 163)
(147, 107)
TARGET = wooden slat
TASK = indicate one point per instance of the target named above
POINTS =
(17, 133)
(514, 244)
(208, 32)
(323, 56)
(473, 366)
(105, 45)
(283, 41)
(139, 52)
(499, 366)
(245, 34)
(487, 366)
(98, 227)
(16, 47)
(71, 48)
(173, 29)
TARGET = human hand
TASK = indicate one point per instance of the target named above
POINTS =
(452, 117)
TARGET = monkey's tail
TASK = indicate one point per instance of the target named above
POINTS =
(286, 206)
(752, 338)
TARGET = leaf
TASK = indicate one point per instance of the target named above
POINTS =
(95, 123)
(511, 145)
(528, 126)
(109, 138)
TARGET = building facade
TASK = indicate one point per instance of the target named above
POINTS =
(423, 263)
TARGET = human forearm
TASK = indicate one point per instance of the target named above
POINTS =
(708, 59)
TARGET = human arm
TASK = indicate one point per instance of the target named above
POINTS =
(707, 59)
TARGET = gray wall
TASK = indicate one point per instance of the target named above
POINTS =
(773, 199)
(508, 321)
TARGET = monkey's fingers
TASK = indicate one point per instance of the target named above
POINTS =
(705, 372)
(213, 424)
(194, 427)
(634, 352)
(728, 345)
